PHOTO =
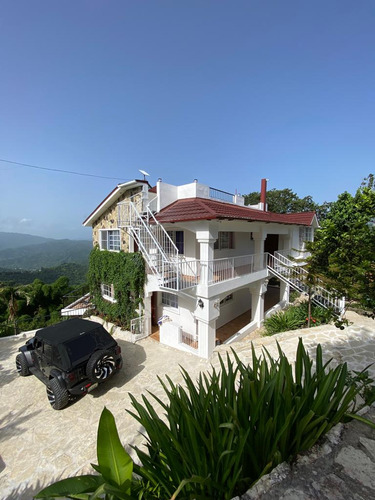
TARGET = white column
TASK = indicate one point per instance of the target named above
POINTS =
(259, 249)
(284, 291)
(206, 314)
(257, 302)
(206, 240)
(206, 338)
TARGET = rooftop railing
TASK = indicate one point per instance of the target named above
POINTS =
(217, 194)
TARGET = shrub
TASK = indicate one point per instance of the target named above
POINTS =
(283, 321)
(223, 434)
(297, 317)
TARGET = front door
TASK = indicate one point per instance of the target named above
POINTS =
(154, 309)
(271, 245)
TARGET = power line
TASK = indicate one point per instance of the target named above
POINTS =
(63, 171)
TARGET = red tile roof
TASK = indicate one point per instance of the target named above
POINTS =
(191, 209)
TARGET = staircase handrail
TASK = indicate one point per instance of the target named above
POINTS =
(326, 295)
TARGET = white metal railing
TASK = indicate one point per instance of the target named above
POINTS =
(301, 255)
(296, 276)
(189, 339)
(174, 271)
(217, 270)
(138, 327)
(217, 194)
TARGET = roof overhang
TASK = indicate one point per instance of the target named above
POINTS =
(110, 199)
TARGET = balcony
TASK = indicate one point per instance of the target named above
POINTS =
(189, 273)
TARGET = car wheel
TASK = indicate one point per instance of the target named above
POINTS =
(21, 365)
(58, 396)
(100, 366)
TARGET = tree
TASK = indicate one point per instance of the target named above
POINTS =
(344, 247)
(285, 201)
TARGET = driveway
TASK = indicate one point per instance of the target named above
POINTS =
(40, 445)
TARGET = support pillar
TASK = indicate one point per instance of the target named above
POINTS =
(284, 291)
(206, 338)
(257, 302)
(206, 240)
(259, 239)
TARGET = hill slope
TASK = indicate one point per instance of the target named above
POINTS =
(48, 253)
(17, 240)
(75, 272)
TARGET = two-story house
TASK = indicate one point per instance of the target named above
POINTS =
(209, 257)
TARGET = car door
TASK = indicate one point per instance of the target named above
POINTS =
(46, 359)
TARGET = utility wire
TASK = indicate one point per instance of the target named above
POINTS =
(63, 171)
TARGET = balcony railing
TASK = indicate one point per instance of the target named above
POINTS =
(189, 339)
(218, 270)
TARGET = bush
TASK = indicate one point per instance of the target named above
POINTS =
(223, 434)
(295, 317)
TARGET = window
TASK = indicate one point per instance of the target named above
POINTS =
(305, 234)
(226, 299)
(110, 240)
(224, 241)
(169, 299)
(178, 239)
(108, 292)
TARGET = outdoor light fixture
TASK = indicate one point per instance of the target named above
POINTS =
(200, 303)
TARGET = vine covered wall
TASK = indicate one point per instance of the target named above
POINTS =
(127, 273)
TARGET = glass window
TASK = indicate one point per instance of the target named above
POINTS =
(108, 292)
(224, 241)
(169, 299)
(226, 299)
(110, 240)
(178, 239)
(305, 234)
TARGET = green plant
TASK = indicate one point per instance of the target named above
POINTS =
(222, 434)
(115, 469)
(126, 272)
(282, 321)
(297, 317)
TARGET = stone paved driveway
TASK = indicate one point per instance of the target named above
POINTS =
(39, 445)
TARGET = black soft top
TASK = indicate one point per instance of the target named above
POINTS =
(67, 330)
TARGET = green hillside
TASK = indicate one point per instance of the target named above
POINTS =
(17, 240)
(76, 273)
(50, 253)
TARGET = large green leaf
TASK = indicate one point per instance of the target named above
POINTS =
(72, 487)
(115, 463)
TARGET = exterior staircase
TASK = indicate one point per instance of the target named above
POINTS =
(172, 270)
(295, 276)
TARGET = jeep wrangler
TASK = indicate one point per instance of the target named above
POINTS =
(71, 358)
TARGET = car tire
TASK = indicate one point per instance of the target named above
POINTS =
(58, 396)
(101, 366)
(21, 365)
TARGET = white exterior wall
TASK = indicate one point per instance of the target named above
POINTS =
(183, 315)
(240, 304)
(243, 245)
(190, 244)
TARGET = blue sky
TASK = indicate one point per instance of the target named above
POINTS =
(226, 92)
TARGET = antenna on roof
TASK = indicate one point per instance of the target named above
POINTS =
(144, 174)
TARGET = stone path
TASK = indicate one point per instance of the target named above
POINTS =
(39, 445)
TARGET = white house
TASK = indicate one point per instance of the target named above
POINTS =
(209, 257)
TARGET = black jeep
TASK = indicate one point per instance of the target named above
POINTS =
(70, 358)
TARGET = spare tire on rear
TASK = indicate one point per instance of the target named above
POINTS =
(100, 366)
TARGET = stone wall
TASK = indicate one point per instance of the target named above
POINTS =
(108, 220)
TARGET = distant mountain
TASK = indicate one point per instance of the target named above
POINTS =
(17, 240)
(41, 252)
